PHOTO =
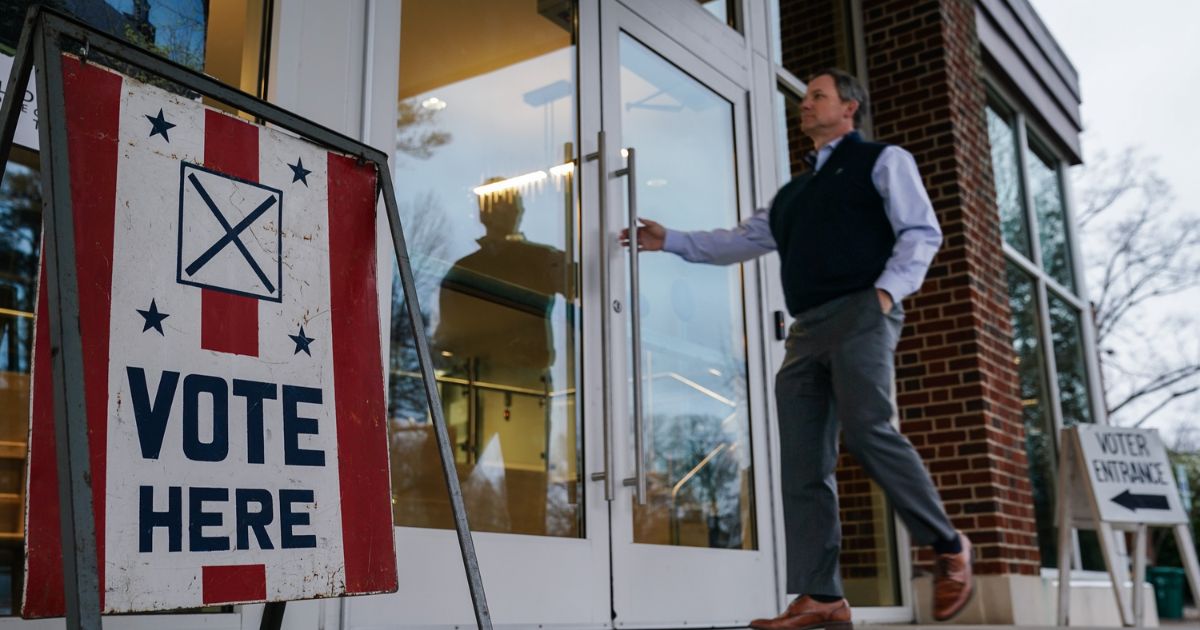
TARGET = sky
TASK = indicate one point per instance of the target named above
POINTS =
(1139, 69)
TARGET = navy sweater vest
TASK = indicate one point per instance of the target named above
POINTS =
(830, 227)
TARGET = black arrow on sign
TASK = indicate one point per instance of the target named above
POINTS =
(1132, 502)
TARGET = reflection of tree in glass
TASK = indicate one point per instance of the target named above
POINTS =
(1051, 219)
(682, 443)
(1006, 174)
(425, 227)
(175, 29)
(1069, 361)
(412, 136)
(20, 234)
(1039, 432)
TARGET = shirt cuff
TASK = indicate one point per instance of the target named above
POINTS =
(673, 242)
(893, 285)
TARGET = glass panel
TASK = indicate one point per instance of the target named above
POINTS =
(812, 35)
(1006, 172)
(792, 143)
(1035, 409)
(1069, 361)
(221, 39)
(1051, 219)
(20, 238)
(722, 9)
(697, 422)
(485, 149)
(870, 573)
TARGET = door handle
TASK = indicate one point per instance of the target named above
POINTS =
(635, 320)
(605, 315)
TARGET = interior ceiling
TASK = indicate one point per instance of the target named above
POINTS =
(447, 41)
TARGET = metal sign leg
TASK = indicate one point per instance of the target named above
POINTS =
(434, 399)
(1187, 549)
(1139, 576)
(1066, 532)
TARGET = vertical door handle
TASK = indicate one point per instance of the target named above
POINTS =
(605, 315)
(635, 319)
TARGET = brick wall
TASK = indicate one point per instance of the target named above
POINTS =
(956, 379)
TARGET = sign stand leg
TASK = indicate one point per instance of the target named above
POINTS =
(417, 328)
(272, 618)
(1187, 550)
(1139, 575)
(1116, 569)
(1066, 531)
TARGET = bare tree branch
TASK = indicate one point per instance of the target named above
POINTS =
(1141, 252)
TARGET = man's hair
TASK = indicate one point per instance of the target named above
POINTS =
(849, 88)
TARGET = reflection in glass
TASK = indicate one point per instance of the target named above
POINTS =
(792, 143)
(1006, 172)
(221, 39)
(485, 158)
(722, 9)
(1035, 410)
(697, 431)
(1051, 219)
(1069, 361)
(20, 240)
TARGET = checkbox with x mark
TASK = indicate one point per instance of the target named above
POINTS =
(230, 235)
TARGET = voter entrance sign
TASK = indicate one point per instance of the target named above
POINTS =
(1116, 479)
(1130, 476)
(234, 383)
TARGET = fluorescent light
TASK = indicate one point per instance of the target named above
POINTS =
(513, 182)
(562, 170)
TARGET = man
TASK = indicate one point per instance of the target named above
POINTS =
(855, 235)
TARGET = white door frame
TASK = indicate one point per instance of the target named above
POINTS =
(737, 585)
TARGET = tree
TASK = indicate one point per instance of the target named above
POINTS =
(1143, 256)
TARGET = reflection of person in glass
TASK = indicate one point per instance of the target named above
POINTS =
(496, 302)
(855, 233)
(495, 330)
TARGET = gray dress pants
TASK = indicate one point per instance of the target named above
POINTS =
(838, 370)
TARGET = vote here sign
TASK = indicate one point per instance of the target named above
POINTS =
(1130, 475)
(233, 377)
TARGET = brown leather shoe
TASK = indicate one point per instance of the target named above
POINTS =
(953, 583)
(806, 613)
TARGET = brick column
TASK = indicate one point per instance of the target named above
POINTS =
(956, 378)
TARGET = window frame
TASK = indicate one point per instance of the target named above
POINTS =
(1033, 142)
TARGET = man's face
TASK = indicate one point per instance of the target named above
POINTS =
(824, 112)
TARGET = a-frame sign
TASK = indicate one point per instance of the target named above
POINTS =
(1114, 479)
(209, 423)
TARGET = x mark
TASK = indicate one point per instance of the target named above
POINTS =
(232, 234)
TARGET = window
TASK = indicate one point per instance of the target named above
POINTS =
(1048, 309)
(1006, 172)
(222, 39)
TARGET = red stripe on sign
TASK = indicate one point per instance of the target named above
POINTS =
(43, 559)
(228, 322)
(234, 583)
(93, 108)
(358, 380)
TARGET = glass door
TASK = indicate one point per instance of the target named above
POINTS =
(691, 503)
(488, 173)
